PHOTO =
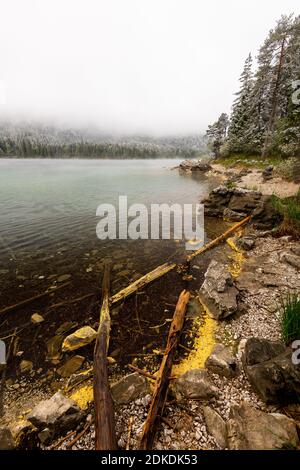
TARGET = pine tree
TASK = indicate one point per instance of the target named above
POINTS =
(217, 133)
(239, 121)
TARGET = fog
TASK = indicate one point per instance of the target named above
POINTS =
(133, 66)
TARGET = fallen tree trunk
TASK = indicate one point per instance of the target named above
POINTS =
(219, 239)
(142, 282)
(104, 409)
(162, 381)
(167, 267)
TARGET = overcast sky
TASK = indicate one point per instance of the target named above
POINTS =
(151, 66)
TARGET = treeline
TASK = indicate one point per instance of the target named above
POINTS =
(25, 147)
(265, 116)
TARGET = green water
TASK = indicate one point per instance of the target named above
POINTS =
(48, 214)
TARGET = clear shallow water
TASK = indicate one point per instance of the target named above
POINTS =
(48, 212)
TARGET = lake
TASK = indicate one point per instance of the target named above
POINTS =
(48, 235)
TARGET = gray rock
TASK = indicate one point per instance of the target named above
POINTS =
(6, 439)
(265, 216)
(267, 173)
(296, 249)
(234, 216)
(222, 362)
(45, 436)
(216, 426)
(194, 165)
(130, 388)
(257, 350)
(246, 243)
(218, 292)
(291, 259)
(251, 429)
(59, 414)
(276, 380)
(194, 384)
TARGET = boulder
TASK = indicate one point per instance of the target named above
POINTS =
(7, 441)
(71, 366)
(79, 339)
(218, 292)
(257, 350)
(58, 414)
(229, 214)
(222, 362)
(216, 426)
(238, 200)
(267, 173)
(291, 259)
(251, 429)
(194, 165)
(130, 388)
(276, 380)
(194, 384)
(265, 216)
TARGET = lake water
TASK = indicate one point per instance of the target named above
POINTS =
(48, 230)
(48, 215)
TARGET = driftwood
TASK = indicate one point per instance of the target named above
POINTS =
(104, 409)
(25, 302)
(219, 239)
(162, 381)
(141, 282)
(167, 267)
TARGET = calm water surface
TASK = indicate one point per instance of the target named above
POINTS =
(48, 214)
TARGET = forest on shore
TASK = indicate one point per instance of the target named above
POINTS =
(265, 116)
(30, 140)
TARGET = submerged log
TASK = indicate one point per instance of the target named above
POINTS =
(163, 376)
(25, 302)
(142, 282)
(218, 240)
(167, 267)
(104, 409)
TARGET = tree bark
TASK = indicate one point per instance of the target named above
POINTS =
(104, 409)
(162, 381)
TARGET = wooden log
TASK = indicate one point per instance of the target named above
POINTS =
(167, 267)
(141, 282)
(162, 382)
(25, 302)
(104, 409)
(218, 240)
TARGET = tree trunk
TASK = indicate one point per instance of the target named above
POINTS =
(162, 381)
(104, 409)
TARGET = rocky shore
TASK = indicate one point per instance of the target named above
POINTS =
(235, 387)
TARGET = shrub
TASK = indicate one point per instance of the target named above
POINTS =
(290, 209)
(290, 318)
